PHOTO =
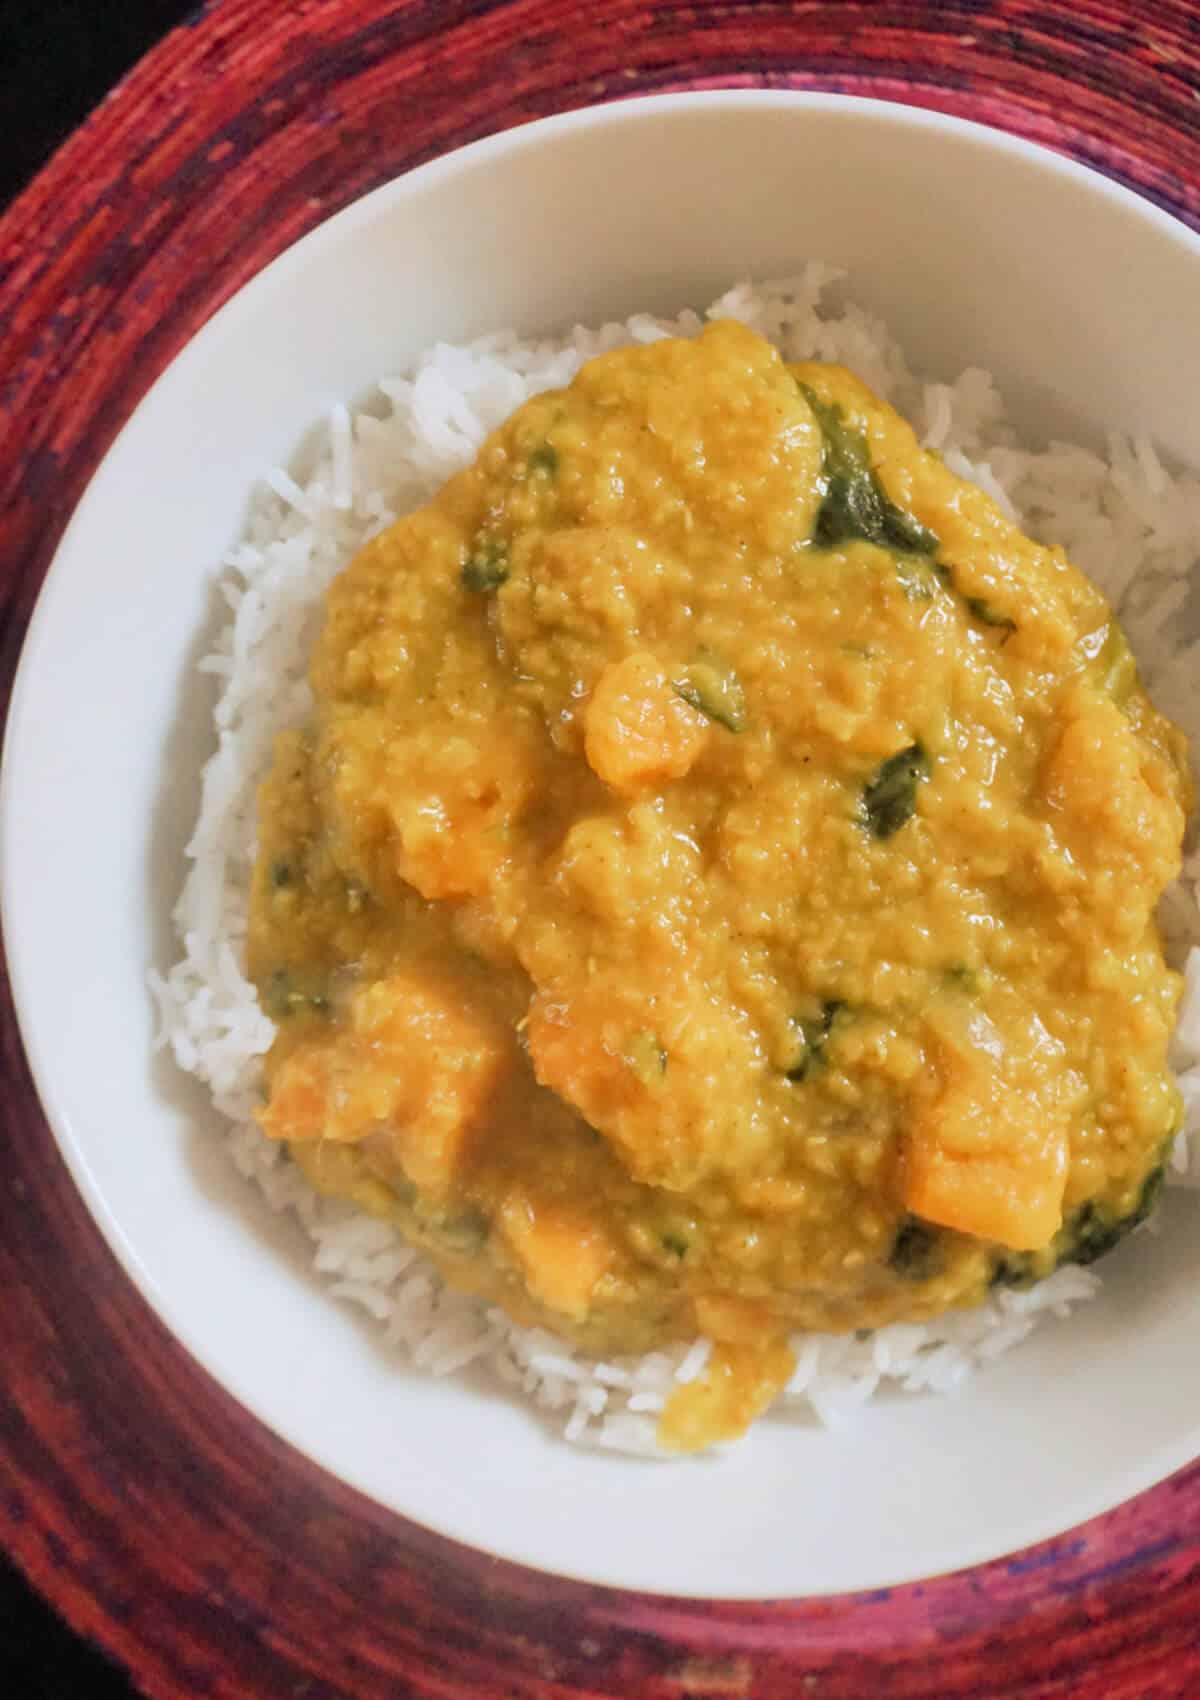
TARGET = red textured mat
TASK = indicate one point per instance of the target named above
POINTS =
(144, 1502)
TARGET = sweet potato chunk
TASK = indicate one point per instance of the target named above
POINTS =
(1101, 779)
(453, 815)
(985, 1159)
(561, 1252)
(410, 1065)
(654, 1091)
(581, 1055)
(638, 730)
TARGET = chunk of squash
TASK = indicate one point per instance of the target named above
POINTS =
(452, 805)
(562, 1253)
(580, 1052)
(987, 1160)
(647, 1065)
(410, 1064)
(638, 730)
(1101, 779)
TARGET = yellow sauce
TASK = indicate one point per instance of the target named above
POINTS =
(715, 890)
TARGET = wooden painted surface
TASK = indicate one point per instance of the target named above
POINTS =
(139, 1497)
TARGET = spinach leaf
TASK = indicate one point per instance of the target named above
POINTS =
(486, 567)
(855, 504)
(465, 1235)
(915, 1250)
(890, 797)
(978, 607)
(1093, 1231)
(919, 576)
(958, 977)
(810, 1039)
(285, 995)
(713, 688)
(1115, 666)
(1087, 1235)
(981, 610)
(543, 459)
(646, 1057)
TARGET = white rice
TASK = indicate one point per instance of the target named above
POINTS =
(1121, 516)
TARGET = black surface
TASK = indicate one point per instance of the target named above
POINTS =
(41, 1659)
(58, 58)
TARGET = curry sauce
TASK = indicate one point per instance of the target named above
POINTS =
(714, 892)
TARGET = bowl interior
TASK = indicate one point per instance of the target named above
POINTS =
(977, 250)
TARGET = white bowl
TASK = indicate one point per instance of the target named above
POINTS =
(976, 249)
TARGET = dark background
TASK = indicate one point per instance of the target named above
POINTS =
(58, 59)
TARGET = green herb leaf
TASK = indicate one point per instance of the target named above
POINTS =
(1089, 1234)
(486, 567)
(284, 995)
(919, 576)
(1116, 667)
(855, 504)
(543, 459)
(916, 1250)
(958, 977)
(811, 1036)
(982, 610)
(646, 1057)
(978, 607)
(1094, 1231)
(713, 688)
(465, 1235)
(890, 798)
